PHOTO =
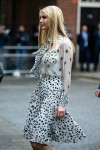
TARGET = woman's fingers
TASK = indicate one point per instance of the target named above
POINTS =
(60, 112)
(97, 92)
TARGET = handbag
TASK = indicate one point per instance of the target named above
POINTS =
(1, 73)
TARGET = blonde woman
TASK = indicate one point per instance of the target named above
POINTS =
(48, 118)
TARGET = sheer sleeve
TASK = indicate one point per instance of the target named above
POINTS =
(35, 69)
(66, 54)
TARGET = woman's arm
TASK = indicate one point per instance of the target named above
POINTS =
(36, 67)
(66, 61)
(66, 57)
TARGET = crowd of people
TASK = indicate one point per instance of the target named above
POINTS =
(20, 40)
(89, 46)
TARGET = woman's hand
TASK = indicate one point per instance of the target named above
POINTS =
(60, 112)
(97, 93)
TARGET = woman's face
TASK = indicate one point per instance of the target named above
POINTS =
(43, 19)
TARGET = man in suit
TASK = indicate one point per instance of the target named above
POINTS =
(97, 91)
(96, 47)
(84, 51)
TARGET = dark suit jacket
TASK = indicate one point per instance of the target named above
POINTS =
(99, 87)
(81, 41)
(96, 37)
(84, 52)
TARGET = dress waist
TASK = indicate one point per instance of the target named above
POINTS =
(49, 75)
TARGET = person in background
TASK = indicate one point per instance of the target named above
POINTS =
(84, 51)
(35, 32)
(96, 47)
(4, 37)
(97, 91)
(1, 73)
(48, 118)
(20, 39)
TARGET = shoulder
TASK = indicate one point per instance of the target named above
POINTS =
(66, 44)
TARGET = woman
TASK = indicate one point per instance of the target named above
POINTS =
(48, 119)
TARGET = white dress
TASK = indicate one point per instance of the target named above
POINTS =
(54, 69)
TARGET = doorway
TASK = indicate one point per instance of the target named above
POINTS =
(90, 17)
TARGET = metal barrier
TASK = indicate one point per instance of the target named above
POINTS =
(9, 57)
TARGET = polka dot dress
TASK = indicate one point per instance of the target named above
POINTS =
(42, 125)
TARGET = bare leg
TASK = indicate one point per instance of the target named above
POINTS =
(34, 145)
(45, 147)
(38, 146)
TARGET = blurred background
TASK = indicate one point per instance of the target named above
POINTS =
(19, 32)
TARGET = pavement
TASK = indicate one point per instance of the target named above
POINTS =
(75, 74)
(10, 137)
(89, 75)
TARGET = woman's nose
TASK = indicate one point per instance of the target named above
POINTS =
(41, 20)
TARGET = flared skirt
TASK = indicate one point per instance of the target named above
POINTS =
(42, 125)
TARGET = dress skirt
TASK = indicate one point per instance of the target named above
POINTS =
(42, 125)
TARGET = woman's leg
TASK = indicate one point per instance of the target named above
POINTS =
(34, 145)
(38, 146)
(45, 147)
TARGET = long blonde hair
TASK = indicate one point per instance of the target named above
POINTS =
(56, 26)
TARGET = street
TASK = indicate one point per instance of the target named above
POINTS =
(83, 106)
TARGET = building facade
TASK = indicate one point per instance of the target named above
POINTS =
(16, 12)
(76, 12)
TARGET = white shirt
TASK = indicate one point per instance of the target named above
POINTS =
(57, 62)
